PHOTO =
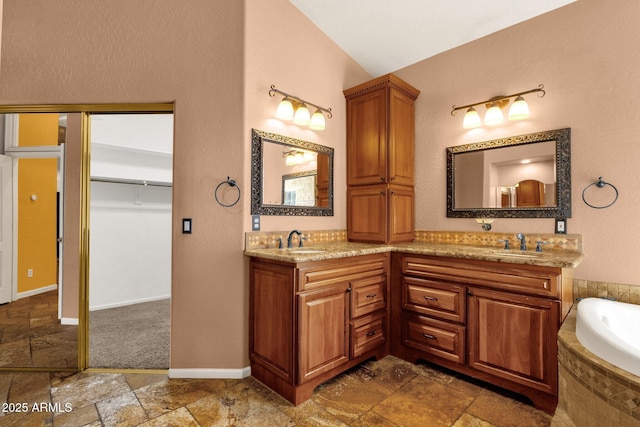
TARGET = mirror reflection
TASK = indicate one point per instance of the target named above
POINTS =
(523, 176)
(35, 330)
(520, 176)
(290, 176)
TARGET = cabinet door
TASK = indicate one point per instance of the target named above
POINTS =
(323, 341)
(367, 138)
(401, 139)
(322, 181)
(401, 214)
(367, 213)
(514, 337)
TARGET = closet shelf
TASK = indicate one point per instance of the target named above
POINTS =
(132, 181)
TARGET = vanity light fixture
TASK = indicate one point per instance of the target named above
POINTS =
(293, 108)
(294, 157)
(519, 109)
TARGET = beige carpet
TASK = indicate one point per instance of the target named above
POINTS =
(134, 336)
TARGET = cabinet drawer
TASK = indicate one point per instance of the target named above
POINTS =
(330, 272)
(434, 298)
(521, 278)
(434, 337)
(368, 295)
(367, 333)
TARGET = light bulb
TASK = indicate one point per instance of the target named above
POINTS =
(317, 121)
(290, 160)
(471, 119)
(493, 116)
(519, 109)
(302, 116)
(285, 109)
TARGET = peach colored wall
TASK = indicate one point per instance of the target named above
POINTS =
(71, 229)
(124, 52)
(145, 51)
(586, 56)
(285, 49)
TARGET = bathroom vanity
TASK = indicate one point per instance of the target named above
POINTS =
(490, 320)
(486, 313)
(312, 320)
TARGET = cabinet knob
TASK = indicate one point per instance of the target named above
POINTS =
(469, 293)
(393, 178)
(383, 193)
(431, 337)
(382, 178)
(372, 333)
(349, 289)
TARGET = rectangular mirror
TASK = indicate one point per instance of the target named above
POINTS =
(290, 176)
(526, 176)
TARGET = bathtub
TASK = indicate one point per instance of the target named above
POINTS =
(611, 331)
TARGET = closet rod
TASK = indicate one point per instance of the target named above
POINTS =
(132, 181)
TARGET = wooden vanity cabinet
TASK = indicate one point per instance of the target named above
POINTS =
(380, 161)
(310, 321)
(497, 322)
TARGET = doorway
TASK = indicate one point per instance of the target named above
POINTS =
(130, 210)
(35, 335)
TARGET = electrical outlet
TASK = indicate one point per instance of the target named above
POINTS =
(255, 222)
(30, 272)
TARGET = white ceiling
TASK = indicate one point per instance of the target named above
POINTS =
(384, 35)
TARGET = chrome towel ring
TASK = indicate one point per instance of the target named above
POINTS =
(231, 183)
(600, 184)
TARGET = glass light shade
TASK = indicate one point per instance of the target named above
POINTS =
(302, 116)
(493, 116)
(471, 119)
(519, 109)
(299, 158)
(308, 155)
(290, 160)
(317, 121)
(285, 109)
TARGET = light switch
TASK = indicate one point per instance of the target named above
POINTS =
(186, 225)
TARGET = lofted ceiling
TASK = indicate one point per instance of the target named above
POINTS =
(384, 36)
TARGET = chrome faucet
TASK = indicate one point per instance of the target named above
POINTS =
(523, 242)
(290, 243)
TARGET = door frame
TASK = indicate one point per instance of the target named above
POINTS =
(85, 182)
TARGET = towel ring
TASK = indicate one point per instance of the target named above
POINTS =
(231, 183)
(600, 184)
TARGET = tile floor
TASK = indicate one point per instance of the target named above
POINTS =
(385, 393)
(31, 334)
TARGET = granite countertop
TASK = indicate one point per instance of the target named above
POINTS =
(549, 258)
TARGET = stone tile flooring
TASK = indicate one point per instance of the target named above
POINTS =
(384, 393)
(31, 334)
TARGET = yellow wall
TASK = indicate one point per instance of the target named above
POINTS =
(37, 129)
(37, 218)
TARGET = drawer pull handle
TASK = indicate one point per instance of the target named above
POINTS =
(371, 295)
(372, 333)
(431, 337)
(430, 298)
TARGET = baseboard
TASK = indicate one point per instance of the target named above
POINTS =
(211, 373)
(36, 291)
(69, 321)
(128, 302)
